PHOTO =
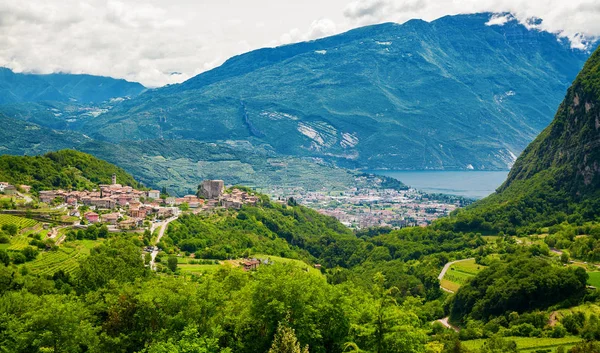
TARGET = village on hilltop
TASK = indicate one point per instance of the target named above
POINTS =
(122, 207)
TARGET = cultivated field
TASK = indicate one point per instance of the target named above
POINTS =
(459, 273)
(18, 221)
(65, 258)
(531, 344)
(594, 279)
(183, 263)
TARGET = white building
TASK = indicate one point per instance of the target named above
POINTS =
(154, 194)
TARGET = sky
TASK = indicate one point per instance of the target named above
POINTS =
(159, 42)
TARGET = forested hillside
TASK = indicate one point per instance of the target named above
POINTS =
(65, 169)
(19, 137)
(557, 178)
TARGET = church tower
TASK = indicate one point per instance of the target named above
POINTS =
(114, 179)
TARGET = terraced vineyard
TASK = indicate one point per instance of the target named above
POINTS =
(18, 243)
(65, 258)
(19, 221)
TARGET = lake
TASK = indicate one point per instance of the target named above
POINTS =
(473, 184)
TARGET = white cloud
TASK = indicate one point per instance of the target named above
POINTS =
(150, 40)
(573, 19)
(499, 19)
(318, 29)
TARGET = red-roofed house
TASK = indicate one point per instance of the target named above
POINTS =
(91, 217)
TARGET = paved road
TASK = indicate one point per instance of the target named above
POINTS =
(161, 232)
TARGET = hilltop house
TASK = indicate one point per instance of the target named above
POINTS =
(154, 194)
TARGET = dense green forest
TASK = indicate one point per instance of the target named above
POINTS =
(517, 284)
(64, 169)
(377, 291)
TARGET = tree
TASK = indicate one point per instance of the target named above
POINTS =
(116, 259)
(4, 258)
(285, 341)
(103, 232)
(18, 258)
(390, 327)
(163, 193)
(586, 347)
(11, 229)
(172, 263)
(30, 253)
(52, 323)
(147, 258)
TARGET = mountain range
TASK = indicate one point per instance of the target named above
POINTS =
(454, 93)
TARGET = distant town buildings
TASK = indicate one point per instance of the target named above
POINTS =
(372, 207)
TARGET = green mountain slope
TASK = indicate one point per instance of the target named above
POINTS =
(557, 177)
(62, 169)
(455, 93)
(181, 165)
(20, 137)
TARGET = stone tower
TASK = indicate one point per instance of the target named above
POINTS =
(212, 189)
(114, 179)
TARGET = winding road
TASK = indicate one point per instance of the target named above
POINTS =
(161, 232)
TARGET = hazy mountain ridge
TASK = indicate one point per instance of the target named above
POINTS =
(62, 87)
(451, 94)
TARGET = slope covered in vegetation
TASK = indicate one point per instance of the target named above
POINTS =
(66, 169)
(557, 178)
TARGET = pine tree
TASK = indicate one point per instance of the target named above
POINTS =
(285, 341)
